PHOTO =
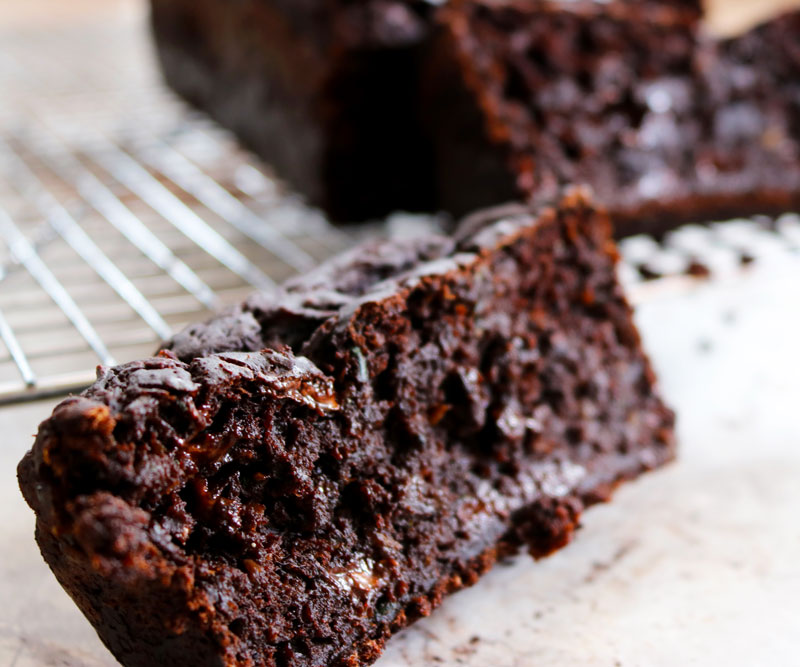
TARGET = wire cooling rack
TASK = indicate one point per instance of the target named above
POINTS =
(124, 216)
(110, 245)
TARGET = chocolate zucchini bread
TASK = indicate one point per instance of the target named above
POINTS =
(327, 91)
(665, 125)
(300, 477)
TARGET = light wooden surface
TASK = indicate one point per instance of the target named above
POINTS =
(728, 17)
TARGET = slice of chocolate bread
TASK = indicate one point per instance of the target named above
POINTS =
(327, 91)
(754, 92)
(665, 125)
(299, 478)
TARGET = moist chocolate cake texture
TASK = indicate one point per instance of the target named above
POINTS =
(300, 477)
(666, 125)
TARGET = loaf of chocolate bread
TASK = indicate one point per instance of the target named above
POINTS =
(666, 125)
(326, 91)
(372, 106)
(300, 477)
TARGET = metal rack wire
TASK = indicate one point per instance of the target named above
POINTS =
(109, 246)
(123, 216)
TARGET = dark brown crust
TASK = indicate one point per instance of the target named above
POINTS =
(422, 408)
